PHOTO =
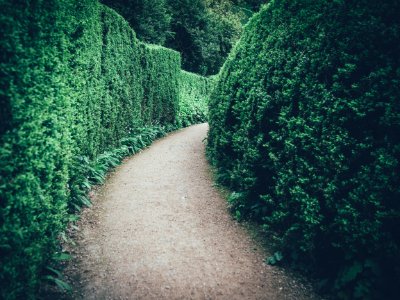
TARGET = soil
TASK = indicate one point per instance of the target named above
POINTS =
(160, 229)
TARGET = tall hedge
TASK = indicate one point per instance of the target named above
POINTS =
(194, 94)
(305, 129)
(75, 82)
(35, 141)
(160, 83)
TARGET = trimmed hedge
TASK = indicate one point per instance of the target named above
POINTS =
(305, 129)
(194, 94)
(35, 142)
(77, 88)
(160, 83)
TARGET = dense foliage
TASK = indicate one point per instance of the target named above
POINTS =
(305, 129)
(151, 19)
(161, 84)
(251, 5)
(77, 90)
(203, 31)
(194, 90)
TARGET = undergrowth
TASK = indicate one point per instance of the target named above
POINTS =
(87, 175)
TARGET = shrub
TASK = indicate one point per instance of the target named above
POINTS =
(77, 88)
(194, 92)
(160, 83)
(304, 126)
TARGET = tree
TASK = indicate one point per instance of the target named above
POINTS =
(203, 31)
(189, 22)
(149, 18)
(224, 26)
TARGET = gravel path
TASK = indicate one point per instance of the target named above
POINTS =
(158, 229)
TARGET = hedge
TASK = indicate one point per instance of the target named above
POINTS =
(77, 91)
(160, 83)
(305, 130)
(194, 94)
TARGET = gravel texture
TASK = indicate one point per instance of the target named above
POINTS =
(159, 229)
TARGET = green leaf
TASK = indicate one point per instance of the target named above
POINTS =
(58, 273)
(274, 259)
(64, 286)
(62, 256)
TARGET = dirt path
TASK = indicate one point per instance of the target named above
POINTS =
(160, 230)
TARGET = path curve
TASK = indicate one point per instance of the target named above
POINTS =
(158, 229)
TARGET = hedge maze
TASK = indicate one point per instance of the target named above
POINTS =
(78, 91)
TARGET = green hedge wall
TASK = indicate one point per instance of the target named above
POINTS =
(305, 129)
(75, 83)
(194, 94)
(35, 141)
(121, 75)
(160, 84)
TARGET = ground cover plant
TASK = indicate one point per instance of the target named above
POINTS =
(304, 129)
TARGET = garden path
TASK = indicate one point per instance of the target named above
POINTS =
(160, 229)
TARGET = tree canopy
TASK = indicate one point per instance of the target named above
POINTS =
(150, 19)
(203, 31)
